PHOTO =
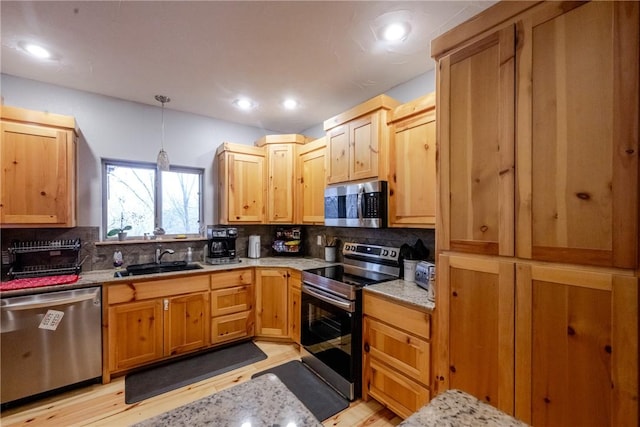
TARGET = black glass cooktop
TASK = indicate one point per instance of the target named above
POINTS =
(350, 276)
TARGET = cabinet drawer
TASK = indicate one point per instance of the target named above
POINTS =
(396, 348)
(238, 277)
(402, 395)
(231, 327)
(414, 321)
(231, 300)
(137, 291)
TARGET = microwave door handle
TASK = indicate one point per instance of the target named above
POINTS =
(360, 203)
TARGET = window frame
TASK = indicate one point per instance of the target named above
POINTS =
(157, 194)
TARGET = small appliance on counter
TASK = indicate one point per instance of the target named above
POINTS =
(221, 245)
(288, 241)
(426, 278)
(253, 249)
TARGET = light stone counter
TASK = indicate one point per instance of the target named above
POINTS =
(404, 292)
(455, 408)
(262, 401)
(98, 277)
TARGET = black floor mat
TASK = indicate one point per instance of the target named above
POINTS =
(317, 396)
(154, 381)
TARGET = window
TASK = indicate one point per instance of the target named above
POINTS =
(137, 194)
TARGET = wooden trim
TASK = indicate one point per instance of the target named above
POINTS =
(384, 102)
(523, 342)
(441, 337)
(240, 149)
(21, 115)
(417, 106)
(506, 336)
(567, 276)
(291, 138)
(597, 257)
(472, 246)
(486, 20)
(443, 155)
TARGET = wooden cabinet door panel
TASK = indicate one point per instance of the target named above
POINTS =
(135, 334)
(38, 175)
(477, 160)
(577, 346)
(271, 303)
(404, 352)
(312, 168)
(363, 147)
(186, 324)
(338, 151)
(246, 202)
(476, 306)
(229, 278)
(294, 314)
(231, 300)
(579, 136)
(280, 183)
(231, 327)
(402, 395)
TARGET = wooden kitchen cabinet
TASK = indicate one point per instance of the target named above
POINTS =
(232, 302)
(311, 182)
(475, 339)
(271, 302)
(295, 305)
(241, 190)
(396, 354)
(38, 160)
(412, 167)
(577, 346)
(358, 142)
(151, 320)
(282, 196)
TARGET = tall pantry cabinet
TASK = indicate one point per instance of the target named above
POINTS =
(538, 211)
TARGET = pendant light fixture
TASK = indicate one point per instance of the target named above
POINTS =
(163, 157)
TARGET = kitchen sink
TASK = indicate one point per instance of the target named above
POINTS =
(154, 268)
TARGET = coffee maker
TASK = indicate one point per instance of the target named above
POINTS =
(221, 247)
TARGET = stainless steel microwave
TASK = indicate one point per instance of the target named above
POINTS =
(356, 205)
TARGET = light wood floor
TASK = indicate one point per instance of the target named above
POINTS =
(103, 405)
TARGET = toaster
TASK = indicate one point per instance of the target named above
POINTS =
(425, 277)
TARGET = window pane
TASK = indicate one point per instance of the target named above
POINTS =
(130, 194)
(180, 202)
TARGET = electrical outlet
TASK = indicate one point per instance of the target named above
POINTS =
(319, 242)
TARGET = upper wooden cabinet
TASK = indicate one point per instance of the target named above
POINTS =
(412, 164)
(358, 141)
(281, 154)
(311, 182)
(38, 160)
(241, 193)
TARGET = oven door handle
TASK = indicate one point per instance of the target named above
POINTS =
(323, 296)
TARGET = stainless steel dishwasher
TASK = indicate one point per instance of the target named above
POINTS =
(49, 340)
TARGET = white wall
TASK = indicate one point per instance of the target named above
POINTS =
(118, 129)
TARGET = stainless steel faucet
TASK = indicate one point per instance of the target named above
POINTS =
(160, 253)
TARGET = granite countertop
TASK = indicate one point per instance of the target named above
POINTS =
(455, 408)
(404, 292)
(262, 401)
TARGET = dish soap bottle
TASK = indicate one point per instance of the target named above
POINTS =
(189, 257)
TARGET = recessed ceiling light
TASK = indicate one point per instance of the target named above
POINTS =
(244, 103)
(37, 51)
(395, 32)
(290, 104)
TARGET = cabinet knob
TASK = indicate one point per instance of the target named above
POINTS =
(366, 347)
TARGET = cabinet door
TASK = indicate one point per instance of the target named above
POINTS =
(338, 149)
(280, 183)
(186, 326)
(577, 341)
(363, 147)
(476, 99)
(245, 201)
(271, 303)
(475, 332)
(38, 176)
(231, 327)
(295, 304)
(311, 184)
(231, 300)
(578, 135)
(135, 334)
(412, 181)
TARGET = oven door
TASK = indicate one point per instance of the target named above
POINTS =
(331, 335)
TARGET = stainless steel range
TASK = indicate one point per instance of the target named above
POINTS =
(331, 331)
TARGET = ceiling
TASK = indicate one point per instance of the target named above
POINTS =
(205, 54)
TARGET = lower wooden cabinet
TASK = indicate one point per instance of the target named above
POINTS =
(295, 304)
(150, 320)
(396, 355)
(271, 302)
(232, 314)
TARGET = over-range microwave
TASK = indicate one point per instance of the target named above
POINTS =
(361, 204)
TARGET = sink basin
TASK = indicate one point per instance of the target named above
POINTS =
(153, 268)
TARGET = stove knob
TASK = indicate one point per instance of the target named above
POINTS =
(393, 254)
(385, 252)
